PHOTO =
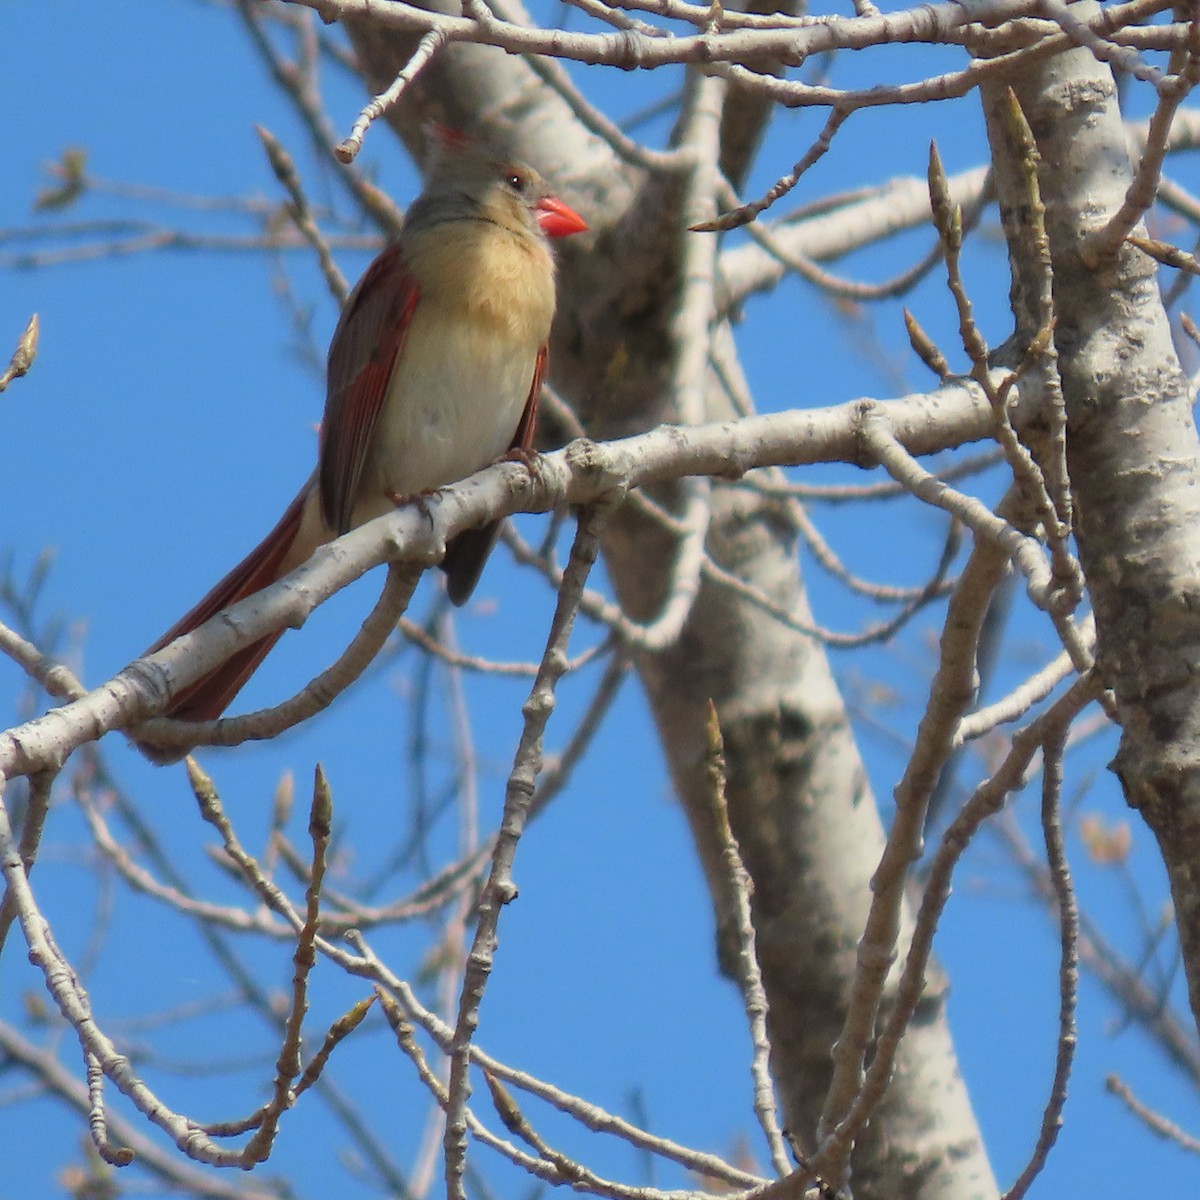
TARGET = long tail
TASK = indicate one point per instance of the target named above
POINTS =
(207, 698)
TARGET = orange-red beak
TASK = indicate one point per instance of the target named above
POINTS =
(557, 220)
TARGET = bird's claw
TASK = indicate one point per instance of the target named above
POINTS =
(420, 499)
(531, 460)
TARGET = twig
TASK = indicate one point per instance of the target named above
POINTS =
(844, 289)
(178, 1175)
(556, 772)
(749, 977)
(1048, 486)
(848, 222)
(419, 636)
(881, 631)
(157, 238)
(1172, 91)
(37, 805)
(23, 355)
(888, 489)
(988, 799)
(300, 87)
(1122, 979)
(554, 75)
(745, 213)
(499, 889)
(1082, 34)
(1165, 253)
(1068, 971)
(1021, 699)
(287, 1066)
(427, 48)
(302, 216)
(1155, 1122)
(313, 698)
(1024, 552)
(1052, 512)
(632, 635)
(590, 1116)
(883, 592)
(951, 691)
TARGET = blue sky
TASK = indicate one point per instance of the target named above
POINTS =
(167, 421)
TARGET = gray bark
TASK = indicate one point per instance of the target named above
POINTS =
(1133, 455)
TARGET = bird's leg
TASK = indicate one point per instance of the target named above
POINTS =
(420, 499)
(528, 458)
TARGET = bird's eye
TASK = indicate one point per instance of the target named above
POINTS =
(516, 181)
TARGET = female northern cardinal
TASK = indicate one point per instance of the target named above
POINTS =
(434, 373)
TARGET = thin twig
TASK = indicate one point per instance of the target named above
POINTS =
(499, 888)
(749, 977)
(988, 799)
(288, 1064)
(177, 1174)
(317, 695)
(1172, 91)
(745, 213)
(1068, 971)
(37, 805)
(1022, 698)
(302, 216)
(23, 355)
(951, 691)
(426, 50)
(590, 1116)
(1153, 1121)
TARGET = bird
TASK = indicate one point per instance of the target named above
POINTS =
(433, 373)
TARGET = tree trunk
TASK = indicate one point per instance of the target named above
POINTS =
(1132, 451)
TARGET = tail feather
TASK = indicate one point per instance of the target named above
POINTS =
(208, 697)
(466, 554)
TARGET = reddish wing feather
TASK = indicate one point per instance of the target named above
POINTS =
(368, 340)
(369, 337)
(523, 438)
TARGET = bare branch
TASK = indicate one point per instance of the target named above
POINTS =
(1156, 1122)
(1068, 972)
(748, 974)
(499, 888)
(580, 474)
(23, 355)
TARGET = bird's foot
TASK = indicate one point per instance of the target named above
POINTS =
(531, 460)
(420, 499)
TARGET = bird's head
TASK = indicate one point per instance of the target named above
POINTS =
(469, 180)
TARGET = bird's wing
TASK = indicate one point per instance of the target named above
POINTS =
(368, 341)
(523, 438)
(467, 553)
